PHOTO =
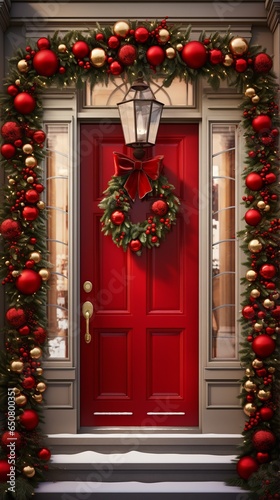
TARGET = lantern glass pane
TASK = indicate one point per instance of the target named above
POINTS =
(155, 120)
(142, 115)
(126, 112)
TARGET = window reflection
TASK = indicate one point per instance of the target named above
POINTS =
(223, 242)
(57, 206)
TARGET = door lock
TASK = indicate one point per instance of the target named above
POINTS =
(87, 310)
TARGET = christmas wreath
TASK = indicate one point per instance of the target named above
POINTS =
(156, 50)
(132, 177)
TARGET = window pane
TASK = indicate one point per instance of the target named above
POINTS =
(223, 242)
(57, 206)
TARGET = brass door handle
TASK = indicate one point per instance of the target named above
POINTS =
(87, 310)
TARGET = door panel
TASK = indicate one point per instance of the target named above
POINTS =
(141, 366)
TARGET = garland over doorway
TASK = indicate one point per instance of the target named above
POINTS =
(155, 49)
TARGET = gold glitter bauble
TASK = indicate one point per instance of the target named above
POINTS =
(261, 205)
(30, 179)
(264, 395)
(39, 370)
(255, 99)
(21, 400)
(16, 391)
(36, 256)
(121, 28)
(255, 293)
(27, 149)
(257, 363)
(250, 92)
(238, 46)
(251, 275)
(41, 387)
(163, 35)
(17, 366)
(30, 162)
(41, 205)
(38, 398)
(258, 327)
(170, 53)
(45, 274)
(62, 48)
(255, 246)
(36, 353)
(268, 304)
(28, 471)
(23, 66)
(249, 409)
(250, 386)
(98, 57)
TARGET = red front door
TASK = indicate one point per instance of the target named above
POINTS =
(141, 366)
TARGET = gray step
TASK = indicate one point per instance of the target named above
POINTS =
(132, 490)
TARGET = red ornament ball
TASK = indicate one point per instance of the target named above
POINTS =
(268, 271)
(8, 151)
(16, 317)
(135, 245)
(263, 346)
(254, 181)
(10, 229)
(8, 438)
(113, 42)
(116, 68)
(28, 282)
(248, 312)
(28, 382)
(262, 63)
(4, 471)
(155, 55)
(43, 43)
(12, 90)
(160, 207)
(29, 419)
(39, 136)
(141, 34)
(270, 178)
(45, 62)
(266, 413)
(44, 454)
(194, 54)
(80, 49)
(216, 56)
(11, 131)
(262, 457)
(32, 196)
(40, 335)
(263, 440)
(117, 217)
(246, 466)
(24, 103)
(30, 213)
(24, 330)
(127, 55)
(253, 217)
(241, 65)
(261, 123)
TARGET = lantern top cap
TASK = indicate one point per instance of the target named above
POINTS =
(139, 84)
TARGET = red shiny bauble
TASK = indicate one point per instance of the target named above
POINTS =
(116, 68)
(40, 335)
(270, 178)
(117, 217)
(43, 43)
(4, 471)
(261, 123)
(262, 63)
(254, 181)
(8, 151)
(276, 312)
(8, 438)
(11, 131)
(216, 56)
(246, 466)
(241, 65)
(263, 440)
(80, 49)
(262, 457)
(24, 330)
(45, 62)
(29, 419)
(13, 90)
(39, 136)
(135, 245)
(44, 454)
(24, 103)
(39, 188)
(127, 54)
(194, 54)
(248, 312)
(32, 196)
(113, 42)
(160, 207)
(28, 282)
(253, 217)
(263, 346)
(268, 271)
(155, 55)
(16, 317)
(30, 213)
(266, 413)
(10, 229)
(141, 34)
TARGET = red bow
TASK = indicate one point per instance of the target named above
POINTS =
(139, 173)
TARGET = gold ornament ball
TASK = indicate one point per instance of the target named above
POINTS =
(36, 353)
(249, 372)
(249, 409)
(261, 205)
(266, 208)
(98, 57)
(41, 205)
(250, 92)
(228, 61)
(38, 398)
(39, 370)
(62, 48)
(255, 99)
(255, 246)
(179, 47)
(255, 293)
(250, 386)
(21, 400)
(36, 256)
(238, 46)
(17, 81)
(121, 28)
(27, 149)
(17, 366)
(258, 327)
(45, 274)
(163, 35)
(30, 179)
(271, 369)
(23, 66)
(170, 53)
(28, 471)
(15, 274)
(268, 304)
(257, 363)
(30, 162)
(12, 182)
(275, 296)
(251, 275)
(264, 395)
(41, 387)
(16, 391)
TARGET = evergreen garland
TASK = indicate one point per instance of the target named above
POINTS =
(157, 50)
